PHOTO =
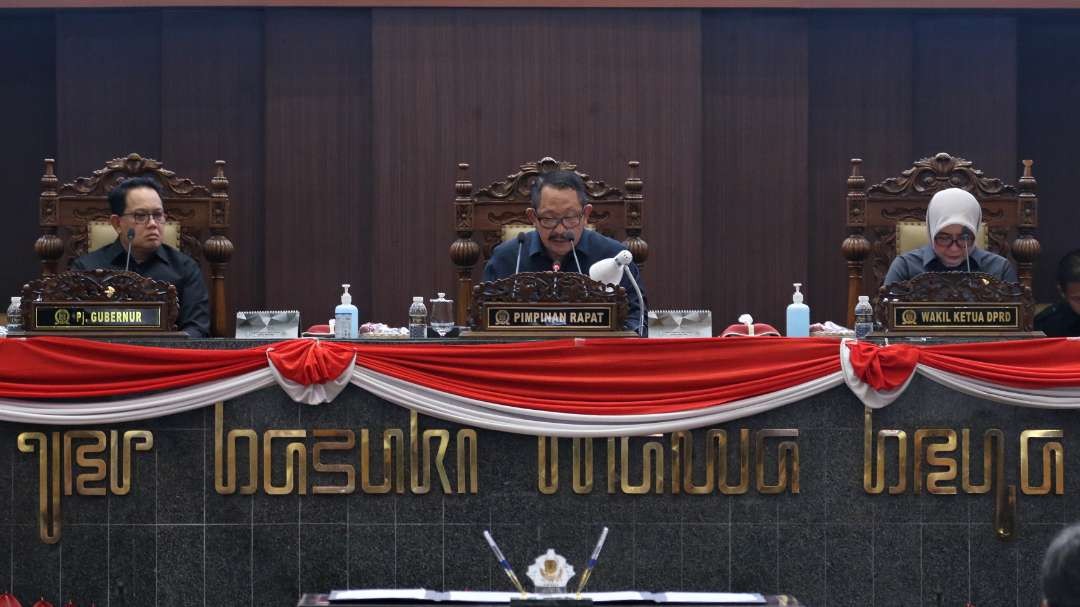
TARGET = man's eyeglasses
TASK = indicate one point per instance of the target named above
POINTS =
(963, 239)
(570, 221)
(143, 217)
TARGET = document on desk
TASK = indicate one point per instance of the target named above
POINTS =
(376, 595)
(710, 598)
(385, 594)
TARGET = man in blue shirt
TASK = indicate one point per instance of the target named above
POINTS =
(560, 209)
(136, 204)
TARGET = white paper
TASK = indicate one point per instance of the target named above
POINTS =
(711, 598)
(479, 596)
(393, 594)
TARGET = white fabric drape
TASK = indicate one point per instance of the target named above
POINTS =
(158, 404)
(502, 418)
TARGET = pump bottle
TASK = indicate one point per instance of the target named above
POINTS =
(798, 315)
(346, 317)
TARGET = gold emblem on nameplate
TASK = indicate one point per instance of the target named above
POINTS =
(62, 317)
(907, 317)
(502, 317)
(110, 291)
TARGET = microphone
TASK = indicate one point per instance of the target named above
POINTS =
(967, 258)
(130, 239)
(521, 243)
(573, 249)
(611, 271)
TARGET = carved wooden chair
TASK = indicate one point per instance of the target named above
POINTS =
(889, 218)
(74, 220)
(485, 217)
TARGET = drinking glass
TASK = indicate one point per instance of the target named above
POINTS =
(442, 314)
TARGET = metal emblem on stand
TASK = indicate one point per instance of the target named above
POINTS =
(550, 572)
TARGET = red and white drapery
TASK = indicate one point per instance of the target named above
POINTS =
(572, 387)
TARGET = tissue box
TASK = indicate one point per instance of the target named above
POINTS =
(680, 323)
(268, 324)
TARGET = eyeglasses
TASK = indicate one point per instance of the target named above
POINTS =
(962, 239)
(570, 221)
(143, 217)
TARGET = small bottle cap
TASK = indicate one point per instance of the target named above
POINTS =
(418, 299)
(346, 298)
(864, 299)
(797, 296)
(16, 299)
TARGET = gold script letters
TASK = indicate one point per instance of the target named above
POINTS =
(88, 446)
(427, 449)
(652, 476)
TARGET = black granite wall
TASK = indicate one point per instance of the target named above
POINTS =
(175, 541)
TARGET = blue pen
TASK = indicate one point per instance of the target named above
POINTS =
(592, 561)
(505, 563)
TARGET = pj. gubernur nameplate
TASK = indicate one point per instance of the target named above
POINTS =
(63, 316)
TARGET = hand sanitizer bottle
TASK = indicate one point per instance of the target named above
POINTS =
(346, 317)
(798, 315)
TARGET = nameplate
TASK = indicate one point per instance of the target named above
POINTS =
(953, 316)
(548, 317)
(94, 316)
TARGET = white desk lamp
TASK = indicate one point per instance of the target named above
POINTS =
(610, 272)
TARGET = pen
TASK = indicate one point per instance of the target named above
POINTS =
(592, 562)
(505, 563)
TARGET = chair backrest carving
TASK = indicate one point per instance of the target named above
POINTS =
(877, 214)
(486, 216)
(68, 211)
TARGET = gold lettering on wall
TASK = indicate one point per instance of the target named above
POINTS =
(547, 460)
(619, 464)
(349, 472)
(1053, 463)
(785, 449)
(393, 472)
(225, 456)
(935, 480)
(583, 465)
(427, 449)
(57, 449)
(936, 466)
(871, 463)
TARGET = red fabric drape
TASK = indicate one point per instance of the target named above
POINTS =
(598, 376)
(613, 376)
(59, 367)
(610, 376)
(1030, 363)
(884, 369)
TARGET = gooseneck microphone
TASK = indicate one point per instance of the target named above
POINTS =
(130, 239)
(521, 243)
(967, 257)
(573, 249)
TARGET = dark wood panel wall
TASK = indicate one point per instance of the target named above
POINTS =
(342, 128)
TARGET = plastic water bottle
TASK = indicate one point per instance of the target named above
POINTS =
(417, 319)
(14, 315)
(864, 318)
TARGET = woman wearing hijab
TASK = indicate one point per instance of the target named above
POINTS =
(952, 219)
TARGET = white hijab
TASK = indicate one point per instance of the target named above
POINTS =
(953, 207)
